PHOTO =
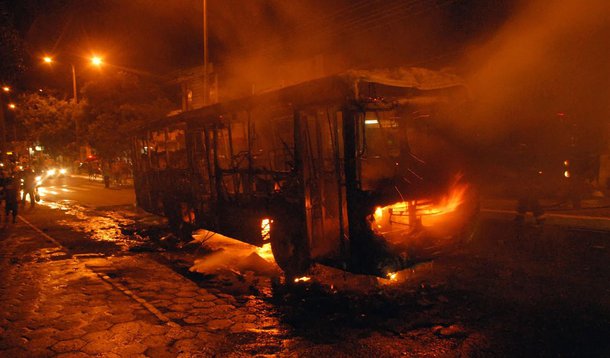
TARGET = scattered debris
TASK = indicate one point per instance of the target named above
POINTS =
(452, 331)
(227, 254)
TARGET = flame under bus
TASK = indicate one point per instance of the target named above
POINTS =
(353, 171)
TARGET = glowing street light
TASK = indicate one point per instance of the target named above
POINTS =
(96, 61)
(6, 89)
(12, 106)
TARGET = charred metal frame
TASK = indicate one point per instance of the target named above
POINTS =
(240, 215)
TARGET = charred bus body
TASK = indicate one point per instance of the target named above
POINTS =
(348, 170)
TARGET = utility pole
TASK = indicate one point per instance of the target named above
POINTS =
(77, 133)
(96, 61)
(205, 53)
(3, 108)
(74, 91)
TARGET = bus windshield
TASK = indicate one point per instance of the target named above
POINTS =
(382, 135)
(383, 143)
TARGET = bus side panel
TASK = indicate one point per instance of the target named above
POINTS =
(323, 178)
(201, 178)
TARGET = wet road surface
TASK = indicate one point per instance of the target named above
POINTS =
(93, 276)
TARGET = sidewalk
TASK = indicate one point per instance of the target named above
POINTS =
(594, 214)
(55, 304)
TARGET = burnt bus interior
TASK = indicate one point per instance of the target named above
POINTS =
(341, 170)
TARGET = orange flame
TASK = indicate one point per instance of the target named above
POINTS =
(266, 228)
(265, 251)
(302, 279)
(425, 211)
(448, 203)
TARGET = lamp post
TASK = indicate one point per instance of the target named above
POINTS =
(5, 89)
(74, 91)
(3, 107)
(95, 61)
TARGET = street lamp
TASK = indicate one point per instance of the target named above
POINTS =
(5, 89)
(12, 106)
(95, 60)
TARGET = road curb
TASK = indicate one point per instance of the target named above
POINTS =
(148, 306)
(598, 223)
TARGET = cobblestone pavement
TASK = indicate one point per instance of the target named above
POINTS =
(70, 286)
(54, 304)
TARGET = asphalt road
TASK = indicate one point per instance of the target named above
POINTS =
(86, 192)
(512, 291)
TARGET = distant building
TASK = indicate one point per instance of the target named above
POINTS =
(192, 88)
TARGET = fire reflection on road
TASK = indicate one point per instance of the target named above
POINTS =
(103, 226)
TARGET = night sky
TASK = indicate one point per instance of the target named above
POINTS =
(161, 36)
(529, 54)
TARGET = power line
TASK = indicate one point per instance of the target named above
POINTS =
(353, 22)
(300, 28)
(381, 17)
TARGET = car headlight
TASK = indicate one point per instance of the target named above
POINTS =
(51, 172)
(62, 171)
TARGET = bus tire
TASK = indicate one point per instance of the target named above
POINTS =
(289, 247)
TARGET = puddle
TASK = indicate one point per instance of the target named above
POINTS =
(102, 226)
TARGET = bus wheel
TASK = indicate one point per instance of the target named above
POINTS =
(289, 246)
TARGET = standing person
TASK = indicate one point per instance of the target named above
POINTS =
(11, 191)
(29, 187)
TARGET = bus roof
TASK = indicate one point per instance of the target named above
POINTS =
(405, 82)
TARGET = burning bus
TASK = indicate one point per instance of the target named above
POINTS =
(353, 171)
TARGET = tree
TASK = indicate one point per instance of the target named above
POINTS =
(49, 121)
(116, 103)
(11, 62)
(12, 53)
